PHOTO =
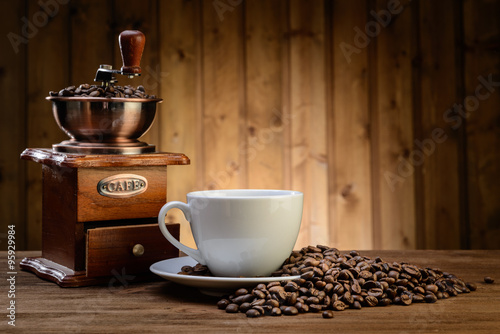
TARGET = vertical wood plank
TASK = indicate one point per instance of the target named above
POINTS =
(92, 42)
(482, 121)
(392, 127)
(224, 117)
(438, 168)
(308, 118)
(12, 127)
(143, 16)
(349, 132)
(48, 69)
(180, 117)
(264, 37)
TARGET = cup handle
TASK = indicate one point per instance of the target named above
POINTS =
(194, 253)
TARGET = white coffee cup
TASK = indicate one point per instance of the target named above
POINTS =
(239, 233)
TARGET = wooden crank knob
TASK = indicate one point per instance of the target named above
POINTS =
(131, 47)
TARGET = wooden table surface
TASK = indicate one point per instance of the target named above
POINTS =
(165, 307)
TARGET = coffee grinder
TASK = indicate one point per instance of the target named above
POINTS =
(103, 188)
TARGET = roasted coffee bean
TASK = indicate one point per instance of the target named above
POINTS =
(315, 308)
(432, 288)
(273, 302)
(280, 296)
(259, 293)
(307, 275)
(313, 292)
(260, 309)
(253, 313)
(65, 92)
(347, 298)
(291, 298)
(338, 289)
(401, 281)
(376, 292)
(411, 270)
(272, 284)
(371, 301)
(275, 311)
(248, 298)
(358, 298)
(290, 310)
(328, 288)
(245, 307)
(302, 307)
(338, 305)
(328, 314)
(406, 298)
(488, 280)
(417, 298)
(419, 289)
(356, 305)
(241, 292)
(258, 302)
(232, 308)
(355, 288)
(384, 285)
(384, 302)
(312, 300)
(320, 285)
(430, 298)
(471, 286)
(291, 287)
(222, 304)
(303, 291)
(371, 284)
(389, 280)
(400, 289)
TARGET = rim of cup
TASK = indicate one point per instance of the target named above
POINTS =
(244, 193)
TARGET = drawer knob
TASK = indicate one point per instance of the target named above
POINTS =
(138, 250)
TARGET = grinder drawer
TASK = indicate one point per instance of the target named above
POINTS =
(127, 249)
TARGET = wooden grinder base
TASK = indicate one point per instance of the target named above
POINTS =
(99, 218)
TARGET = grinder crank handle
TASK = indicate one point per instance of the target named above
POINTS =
(131, 47)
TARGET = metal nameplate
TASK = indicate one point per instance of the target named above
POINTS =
(122, 186)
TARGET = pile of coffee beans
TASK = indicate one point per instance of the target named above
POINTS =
(86, 90)
(330, 281)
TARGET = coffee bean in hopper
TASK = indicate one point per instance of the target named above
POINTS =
(106, 92)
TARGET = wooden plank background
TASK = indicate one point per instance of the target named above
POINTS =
(355, 103)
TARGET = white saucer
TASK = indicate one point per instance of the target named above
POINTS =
(169, 269)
